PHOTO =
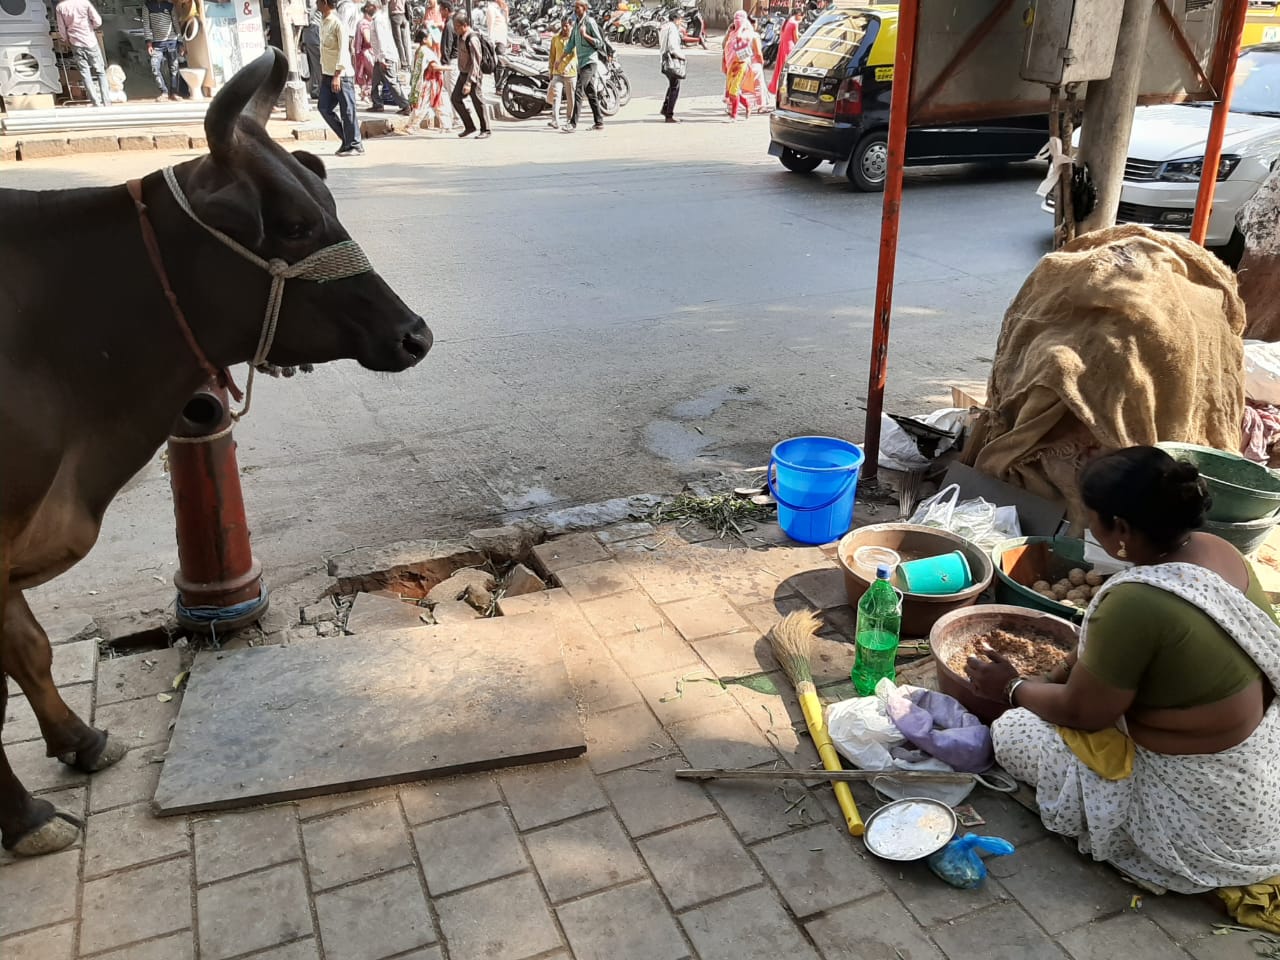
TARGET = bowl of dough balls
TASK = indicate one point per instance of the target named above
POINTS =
(1045, 573)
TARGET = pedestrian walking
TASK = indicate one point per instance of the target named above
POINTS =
(564, 74)
(350, 15)
(78, 23)
(790, 33)
(432, 17)
(739, 46)
(386, 62)
(311, 48)
(425, 85)
(362, 53)
(469, 74)
(337, 83)
(400, 30)
(448, 64)
(586, 41)
(496, 17)
(673, 61)
(757, 86)
(160, 30)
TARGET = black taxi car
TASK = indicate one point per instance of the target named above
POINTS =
(833, 105)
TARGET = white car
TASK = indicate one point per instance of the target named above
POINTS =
(1166, 153)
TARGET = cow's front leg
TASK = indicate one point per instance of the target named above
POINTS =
(29, 826)
(26, 656)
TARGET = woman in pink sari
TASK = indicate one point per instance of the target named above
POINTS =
(741, 47)
(790, 33)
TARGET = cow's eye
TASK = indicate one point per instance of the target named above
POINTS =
(296, 231)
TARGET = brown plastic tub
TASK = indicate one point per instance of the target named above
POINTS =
(913, 542)
(959, 627)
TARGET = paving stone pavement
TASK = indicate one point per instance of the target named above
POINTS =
(603, 858)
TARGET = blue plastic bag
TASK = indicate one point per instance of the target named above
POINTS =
(959, 862)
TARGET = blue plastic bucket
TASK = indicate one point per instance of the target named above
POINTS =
(814, 480)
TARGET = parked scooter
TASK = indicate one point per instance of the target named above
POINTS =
(770, 30)
(523, 85)
(695, 31)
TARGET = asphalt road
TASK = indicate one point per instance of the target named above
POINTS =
(614, 312)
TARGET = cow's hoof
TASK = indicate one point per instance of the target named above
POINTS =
(101, 755)
(56, 830)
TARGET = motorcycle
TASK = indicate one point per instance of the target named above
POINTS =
(523, 86)
(612, 89)
(695, 30)
(770, 30)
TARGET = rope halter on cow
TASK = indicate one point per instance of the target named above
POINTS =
(337, 261)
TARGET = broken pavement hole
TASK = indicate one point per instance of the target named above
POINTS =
(151, 638)
(408, 585)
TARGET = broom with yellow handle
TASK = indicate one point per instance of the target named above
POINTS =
(792, 640)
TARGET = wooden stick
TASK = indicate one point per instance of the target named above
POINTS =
(837, 776)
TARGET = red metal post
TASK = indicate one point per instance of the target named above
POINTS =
(899, 110)
(217, 569)
(1228, 49)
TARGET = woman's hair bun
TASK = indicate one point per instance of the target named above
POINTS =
(1162, 497)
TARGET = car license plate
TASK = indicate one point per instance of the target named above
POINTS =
(803, 85)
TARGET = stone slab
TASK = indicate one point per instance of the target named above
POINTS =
(370, 613)
(278, 723)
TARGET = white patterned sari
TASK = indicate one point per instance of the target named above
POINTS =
(1188, 823)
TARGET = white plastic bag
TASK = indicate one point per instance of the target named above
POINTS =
(977, 520)
(1262, 372)
(863, 733)
(898, 450)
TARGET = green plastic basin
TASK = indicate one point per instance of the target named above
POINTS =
(1063, 554)
(1241, 489)
(1246, 537)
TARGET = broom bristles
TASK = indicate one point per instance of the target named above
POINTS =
(791, 639)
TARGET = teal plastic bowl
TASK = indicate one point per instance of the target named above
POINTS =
(1241, 489)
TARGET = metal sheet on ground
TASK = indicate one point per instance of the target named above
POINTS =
(322, 716)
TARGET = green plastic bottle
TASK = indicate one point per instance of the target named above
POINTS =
(879, 622)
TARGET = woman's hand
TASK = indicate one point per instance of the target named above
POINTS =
(990, 676)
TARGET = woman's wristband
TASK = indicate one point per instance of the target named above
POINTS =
(1011, 686)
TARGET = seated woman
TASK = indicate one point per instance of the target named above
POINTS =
(1157, 745)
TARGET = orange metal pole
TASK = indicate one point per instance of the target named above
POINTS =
(1230, 37)
(899, 110)
(217, 570)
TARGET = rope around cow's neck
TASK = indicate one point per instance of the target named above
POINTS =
(334, 262)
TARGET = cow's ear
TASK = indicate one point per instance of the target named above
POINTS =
(235, 209)
(311, 162)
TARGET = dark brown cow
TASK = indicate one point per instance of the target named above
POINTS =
(95, 363)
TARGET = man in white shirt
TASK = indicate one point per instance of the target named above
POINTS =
(386, 61)
(337, 88)
(78, 22)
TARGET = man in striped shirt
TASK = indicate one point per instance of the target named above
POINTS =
(160, 28)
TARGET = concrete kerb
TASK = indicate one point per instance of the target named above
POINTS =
(80, 142)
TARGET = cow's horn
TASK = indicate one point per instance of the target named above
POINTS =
(252, 92)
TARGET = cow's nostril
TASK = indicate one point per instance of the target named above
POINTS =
(416, 345)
